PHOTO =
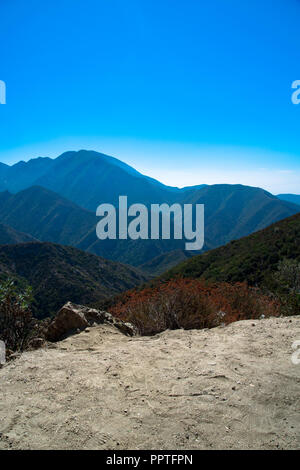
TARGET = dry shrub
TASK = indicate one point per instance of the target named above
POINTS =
(17, 324)
(192, 304)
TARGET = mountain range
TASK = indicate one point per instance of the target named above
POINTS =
(230, 212)
(55, 201)
(47, 216)
(88, 179)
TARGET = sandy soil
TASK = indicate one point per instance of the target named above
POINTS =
(233, 387)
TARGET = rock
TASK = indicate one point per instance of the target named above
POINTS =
(73, 318)
(37, 343)
(69, 318)
(126, 328)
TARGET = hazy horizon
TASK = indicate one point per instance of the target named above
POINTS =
(153, 174)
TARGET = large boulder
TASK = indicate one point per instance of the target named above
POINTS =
(73, 318)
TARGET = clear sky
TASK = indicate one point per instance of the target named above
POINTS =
(187, 91)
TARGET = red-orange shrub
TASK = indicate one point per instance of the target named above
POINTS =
(192, 304)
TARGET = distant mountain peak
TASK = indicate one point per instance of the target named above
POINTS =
(294, 198)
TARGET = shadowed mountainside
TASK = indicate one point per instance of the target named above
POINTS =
(50, 217)
(59, 274)
(9, 236)
(161, 263)
(235, 211)
(230, 212)
(46, 216)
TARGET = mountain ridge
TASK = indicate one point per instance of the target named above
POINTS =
(60, 196)
(72, 172)
(253, 258)
(9, 236)
(295, 198)
(231, 211)
(59, 274)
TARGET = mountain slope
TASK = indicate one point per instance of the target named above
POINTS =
(9, 236)
(49, 217)
(161, 263)
(231, 211)
(59, 274)
(235, 211)
(294, 198)
(46, 216)
(88, 179)
(23, 174)
(253, 258)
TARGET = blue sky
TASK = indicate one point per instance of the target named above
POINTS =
(188, 92)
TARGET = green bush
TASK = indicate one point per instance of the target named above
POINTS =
(288, 286)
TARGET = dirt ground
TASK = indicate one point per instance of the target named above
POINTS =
(226, 388)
